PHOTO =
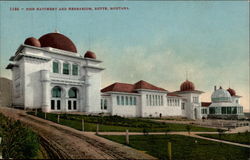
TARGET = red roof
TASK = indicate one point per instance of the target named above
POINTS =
(145, 85)
(187, 86)
(130, 88)
(174, 95)
(205, 104)
(58, 41)
(90, 54)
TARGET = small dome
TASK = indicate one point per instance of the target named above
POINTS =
(32, 42)
(187, 86)
(90, 54)
(231, 91)
(58, 41)
(221, 95)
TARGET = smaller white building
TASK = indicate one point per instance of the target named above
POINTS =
(143, 99)
(225, 104)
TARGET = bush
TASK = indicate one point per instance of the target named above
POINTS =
(18, 141)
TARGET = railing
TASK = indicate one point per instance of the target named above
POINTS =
(65, 76)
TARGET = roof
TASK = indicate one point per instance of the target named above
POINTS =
(58, 41)
(131, 88)
(172, 94)
(205, 104)
(193, 91)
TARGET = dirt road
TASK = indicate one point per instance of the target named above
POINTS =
(67, 142)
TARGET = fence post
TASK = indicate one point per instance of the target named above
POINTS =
(45, 117)
(58, 118)
(97, 129)
(83, 125)
(127, 137)
(169, 151)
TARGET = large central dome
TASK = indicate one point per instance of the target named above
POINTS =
(58, 41)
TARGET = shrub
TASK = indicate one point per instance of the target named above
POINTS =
(18, 141)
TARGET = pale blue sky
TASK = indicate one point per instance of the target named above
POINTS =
(153, 41)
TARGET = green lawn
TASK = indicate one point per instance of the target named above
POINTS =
(243, 138)
(116, 123)
(184, 147)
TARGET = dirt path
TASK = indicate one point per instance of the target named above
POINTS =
(192, 134)
(67, 142)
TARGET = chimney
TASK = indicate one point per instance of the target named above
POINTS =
(214, 88)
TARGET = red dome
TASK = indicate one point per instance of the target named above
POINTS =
(32, 42)
(231, 91)
(90, 54)
(58, 41)
(187, 86)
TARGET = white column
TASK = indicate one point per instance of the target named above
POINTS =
(45, 80)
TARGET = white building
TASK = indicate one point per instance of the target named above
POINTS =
(49, 74)
(143, 99)
(225, 104)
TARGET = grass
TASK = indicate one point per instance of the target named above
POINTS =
(117, 123)
(243, 138)
(183, 147)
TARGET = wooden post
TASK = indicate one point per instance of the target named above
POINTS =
(83, 125)
(97, 129)
(36, 112)
(169, 151)
(45, 115)
(58, 118)
(127, 137)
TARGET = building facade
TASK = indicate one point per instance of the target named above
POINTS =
(49, 74)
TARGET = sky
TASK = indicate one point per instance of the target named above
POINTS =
(158, 42)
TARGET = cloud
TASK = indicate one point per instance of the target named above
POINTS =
(164, 67)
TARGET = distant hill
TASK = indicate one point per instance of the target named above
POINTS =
(5, 92)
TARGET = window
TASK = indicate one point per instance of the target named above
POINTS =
(52, 105)
(101, 103)
(56, 92)
(182, 106)
(130, 101)
(58, 104)
(122, 100)
(105, 104)
(150, 100)
(237, 101)
(234, 110)
(162, 100)
(153, 99)
(65, 68)
(211, 110)
(204, 111)
(55, 67)
(147, 99)
(223, 110)
(134, 100)
(69, 105)
(229, 110)
(75, 69)
(126, 100)
(73, 93)
(118, 100)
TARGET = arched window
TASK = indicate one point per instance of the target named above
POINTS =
(55, 67)
(56, 92)
(118, 100)
(72, 93)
